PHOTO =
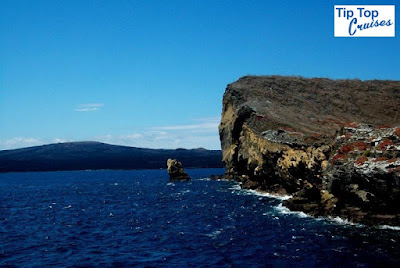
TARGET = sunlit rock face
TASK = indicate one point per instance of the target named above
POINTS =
(332, 144)
(176, 171)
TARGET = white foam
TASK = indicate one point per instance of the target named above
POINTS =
(284, 210)
(341, 221)
(184, 191)
(214, 234)
(388, 227)
(265, 194)
(209, 179)
(236, 187)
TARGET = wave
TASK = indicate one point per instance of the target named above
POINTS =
(336, 220)
(388, 227)
(237, 187)
(341, 221)
(209, 179)
(284, 210)
(265, 194)
(204, 179)
(214, 234)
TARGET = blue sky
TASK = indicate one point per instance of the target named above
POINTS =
(152, 73)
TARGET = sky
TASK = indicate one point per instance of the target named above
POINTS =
(153, 73)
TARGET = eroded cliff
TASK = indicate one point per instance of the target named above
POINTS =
(333, 145)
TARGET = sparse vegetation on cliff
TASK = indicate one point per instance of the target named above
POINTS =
(323, 141)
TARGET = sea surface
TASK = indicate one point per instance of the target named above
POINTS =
(138, 218)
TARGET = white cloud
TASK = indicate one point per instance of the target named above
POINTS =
(58, 140)
(165, 140)
(22, 142)
(133, 136)
(89, 107)
(19, 142)
(204, 134)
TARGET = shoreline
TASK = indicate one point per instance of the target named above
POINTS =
(285, 210)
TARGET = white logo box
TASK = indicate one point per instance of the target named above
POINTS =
(364, 20)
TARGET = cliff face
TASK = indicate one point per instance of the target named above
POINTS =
(332, 144)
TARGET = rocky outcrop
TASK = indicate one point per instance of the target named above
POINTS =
(333, 145)
(176, 171)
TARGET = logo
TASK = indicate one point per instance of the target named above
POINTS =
(364, 21)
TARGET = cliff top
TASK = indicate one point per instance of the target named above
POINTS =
(314, 107)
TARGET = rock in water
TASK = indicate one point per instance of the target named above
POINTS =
(176, 171)
(334, 145)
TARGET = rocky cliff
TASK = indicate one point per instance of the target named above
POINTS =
(334, 145)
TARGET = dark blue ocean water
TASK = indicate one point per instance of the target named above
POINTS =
(138, 218)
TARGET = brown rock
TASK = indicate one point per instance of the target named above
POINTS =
(176, 171)
(250, 185)
(328, 201)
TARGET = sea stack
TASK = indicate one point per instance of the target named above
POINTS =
(176, 171)
(334, 145)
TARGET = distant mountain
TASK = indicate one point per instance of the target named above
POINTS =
(97, 155)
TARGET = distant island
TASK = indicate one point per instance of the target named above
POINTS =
(96, 155)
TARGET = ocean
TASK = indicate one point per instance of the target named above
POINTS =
(139, 218)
